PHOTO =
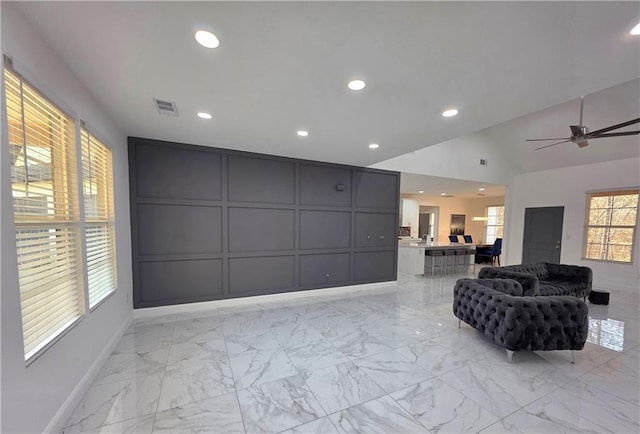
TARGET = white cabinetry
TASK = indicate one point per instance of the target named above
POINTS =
(411, 260)
(410, 215)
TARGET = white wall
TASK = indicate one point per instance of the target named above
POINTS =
(457, 158)
(567, 187)
(34, 396)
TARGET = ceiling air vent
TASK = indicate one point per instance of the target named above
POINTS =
(166, 107)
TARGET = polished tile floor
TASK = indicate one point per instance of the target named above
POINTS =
(390, 360)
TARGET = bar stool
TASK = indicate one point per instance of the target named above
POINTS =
(436, 256)
(471, 259)
(449, 253)
(460, 260)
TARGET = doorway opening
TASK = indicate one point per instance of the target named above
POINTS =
(428, 223)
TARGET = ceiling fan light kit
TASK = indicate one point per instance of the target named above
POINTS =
(580, 134)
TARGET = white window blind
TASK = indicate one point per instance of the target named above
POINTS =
(45, 196)
(495, 224)
(97, 179)
(611, 224)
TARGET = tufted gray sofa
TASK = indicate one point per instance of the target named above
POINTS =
(498, 308)
(545, 278)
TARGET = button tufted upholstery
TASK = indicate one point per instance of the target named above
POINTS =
(506, 286)
(521, 322)
(545, 278)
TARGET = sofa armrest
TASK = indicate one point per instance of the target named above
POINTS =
(550, 323)
(530, 283)
(506, 286)
(571, 273)
(485, 309)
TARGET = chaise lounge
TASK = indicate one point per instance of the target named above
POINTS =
(498, 308)
(545, 278)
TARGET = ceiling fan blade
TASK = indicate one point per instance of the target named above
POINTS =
(542, 140)
(613, 127)
(553, 144)
(626, 133)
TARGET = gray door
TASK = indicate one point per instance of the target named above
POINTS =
(542, 235)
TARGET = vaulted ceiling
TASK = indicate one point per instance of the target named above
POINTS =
(284, 66)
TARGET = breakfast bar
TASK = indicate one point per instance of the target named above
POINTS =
(432, 258)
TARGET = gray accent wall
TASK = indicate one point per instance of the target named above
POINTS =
(211, 223)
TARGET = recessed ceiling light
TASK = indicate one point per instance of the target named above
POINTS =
(356, 85)
(302, 133)
(443, 194)
(421, 191)
(635, 30)
(204, 115)
(449, 113)
(374, 146)
(207, 39)
(481, 189)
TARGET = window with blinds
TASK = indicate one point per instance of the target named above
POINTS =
(46, 212)
(612, 217)
(495, 224)
(97, 183)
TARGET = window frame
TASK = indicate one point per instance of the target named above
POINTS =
(70, 220)
(486, 224)
(634, 228)
(110, 222)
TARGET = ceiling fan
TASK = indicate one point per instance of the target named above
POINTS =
(580, 134)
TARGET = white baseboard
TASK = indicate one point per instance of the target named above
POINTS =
(150, 312)
(72, 401)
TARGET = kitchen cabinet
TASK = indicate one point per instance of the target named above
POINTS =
(410, 215)
(411, 260)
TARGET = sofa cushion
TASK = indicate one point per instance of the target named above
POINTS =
(569, 272)
(560, 287)
(539, 269)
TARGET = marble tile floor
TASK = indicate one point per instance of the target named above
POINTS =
(389, 360)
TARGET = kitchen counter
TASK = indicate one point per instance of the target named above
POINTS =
(411, 256)
(435, 245)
